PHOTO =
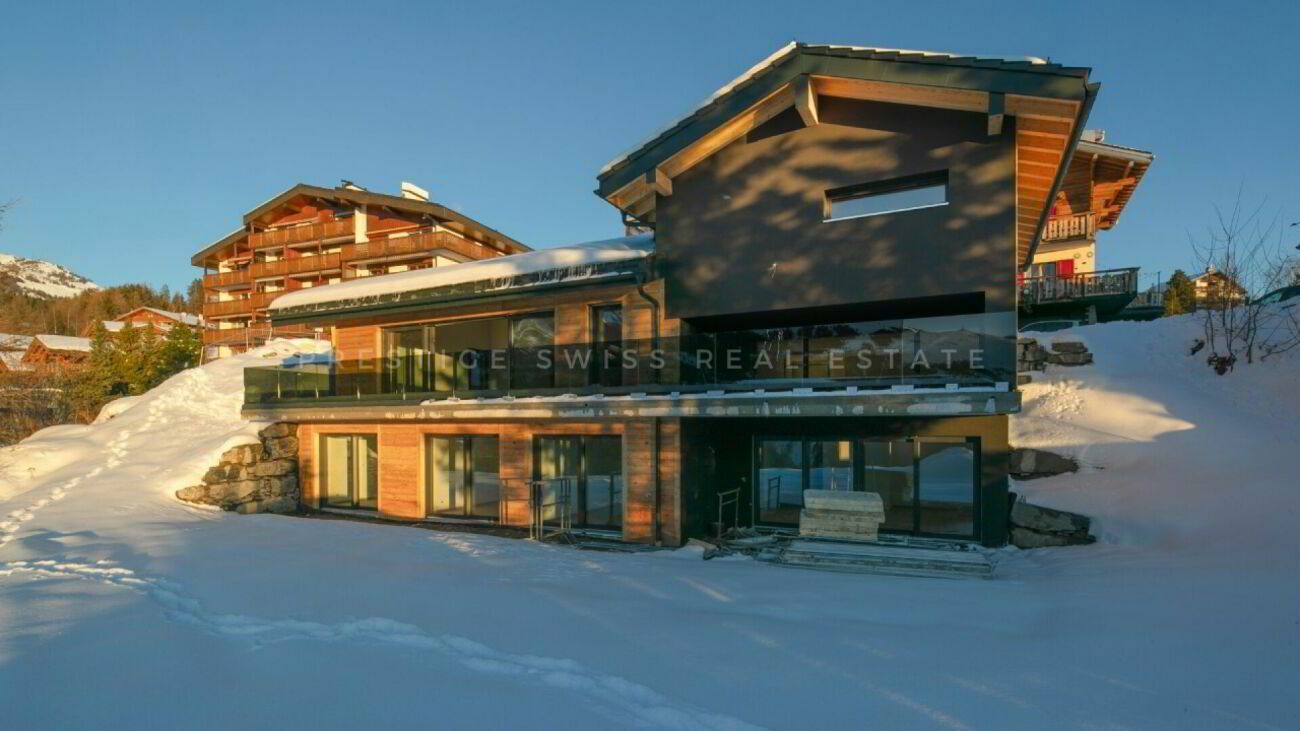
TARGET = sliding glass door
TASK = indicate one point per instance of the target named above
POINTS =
(462, 476)
(946, 474)
(349, 471)
(928, 485)
(410, 359)
(586, 470)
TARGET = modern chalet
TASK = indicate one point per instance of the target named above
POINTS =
(309, 236)
(823, 295)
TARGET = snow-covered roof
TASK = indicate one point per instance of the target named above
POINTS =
(113, 325)
(12, 360)
(569, 263)
(64, 342)
(9, 341)
(183, 317)
(793, 46)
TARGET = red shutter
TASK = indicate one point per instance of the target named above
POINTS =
(1065, 268)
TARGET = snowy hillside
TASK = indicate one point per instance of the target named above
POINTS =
(122, 607)
(40, 278)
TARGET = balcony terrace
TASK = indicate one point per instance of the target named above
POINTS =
(303, 233)
(1079, 226)
(939, 357)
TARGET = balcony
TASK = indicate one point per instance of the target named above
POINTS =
(227, 280)
(237, 307)
(302, 233)
(422, 242)
(1080, 226)
(1079, 296)
(295, 266)
(933, 356)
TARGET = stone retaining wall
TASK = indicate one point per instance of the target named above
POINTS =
(253, 478)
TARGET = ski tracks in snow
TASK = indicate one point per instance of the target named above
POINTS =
(624, 699)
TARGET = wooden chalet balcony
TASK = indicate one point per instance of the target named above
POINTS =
(1080, 226)
(1109, 283)
(235, 307)
(302, 234)
(298, 265)
(225, 280)
(415, 243)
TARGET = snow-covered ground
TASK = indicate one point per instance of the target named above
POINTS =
(122, 607)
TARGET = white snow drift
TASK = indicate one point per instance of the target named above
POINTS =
(122, 607)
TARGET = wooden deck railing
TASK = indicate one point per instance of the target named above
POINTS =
(1043, 290)
(302, 233)
(1079, 226)
(416, 243)
(226, 279)
(299, 265)
(243, 306)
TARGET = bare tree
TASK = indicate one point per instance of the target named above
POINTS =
(1244, 254)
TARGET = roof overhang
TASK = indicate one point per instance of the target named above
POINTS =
(1114, 173)
(1050, 103)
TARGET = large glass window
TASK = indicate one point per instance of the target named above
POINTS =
(462, 476)
(532, 339)
(890, 196)
(607, 345)
(409, 359)
(349, 470)
(927, 485)
(888, 471)
(587, 474)
(780, 481)
(946, 475)
(471, 356)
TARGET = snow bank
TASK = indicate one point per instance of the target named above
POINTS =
(179, 427)
(596, 252)
(1183, 616)
(1168, 449)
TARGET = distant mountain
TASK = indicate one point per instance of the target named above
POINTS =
(39, 278)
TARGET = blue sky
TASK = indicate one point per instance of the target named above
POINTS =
(134, 134)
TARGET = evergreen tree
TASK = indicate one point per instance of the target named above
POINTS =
(1180, 294)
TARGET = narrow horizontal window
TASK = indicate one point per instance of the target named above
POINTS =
(887, 196)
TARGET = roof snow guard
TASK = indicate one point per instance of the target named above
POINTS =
(579, 264)
(1050, 101)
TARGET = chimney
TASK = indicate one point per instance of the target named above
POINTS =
(414, 192)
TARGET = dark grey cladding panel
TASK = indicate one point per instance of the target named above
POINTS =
(744, 232)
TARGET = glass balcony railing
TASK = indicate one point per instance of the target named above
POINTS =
(938, 352)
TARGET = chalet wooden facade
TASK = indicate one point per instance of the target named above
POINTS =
(825, 298)
(1064, 280)
(152, 317)
(309, 236)
(56, 351)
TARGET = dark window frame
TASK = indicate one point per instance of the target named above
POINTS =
(580, 487)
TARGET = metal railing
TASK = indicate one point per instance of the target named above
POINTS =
(1109, 282)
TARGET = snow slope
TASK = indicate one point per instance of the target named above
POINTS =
(121, 607)
(44, 279)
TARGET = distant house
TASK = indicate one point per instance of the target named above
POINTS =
(12, 349)
(1214, 289)
(57, 351)
(160, 320)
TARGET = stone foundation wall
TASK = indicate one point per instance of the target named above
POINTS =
(253, 478)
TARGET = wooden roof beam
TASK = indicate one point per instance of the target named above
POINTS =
(997, 113)
(805, 100)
